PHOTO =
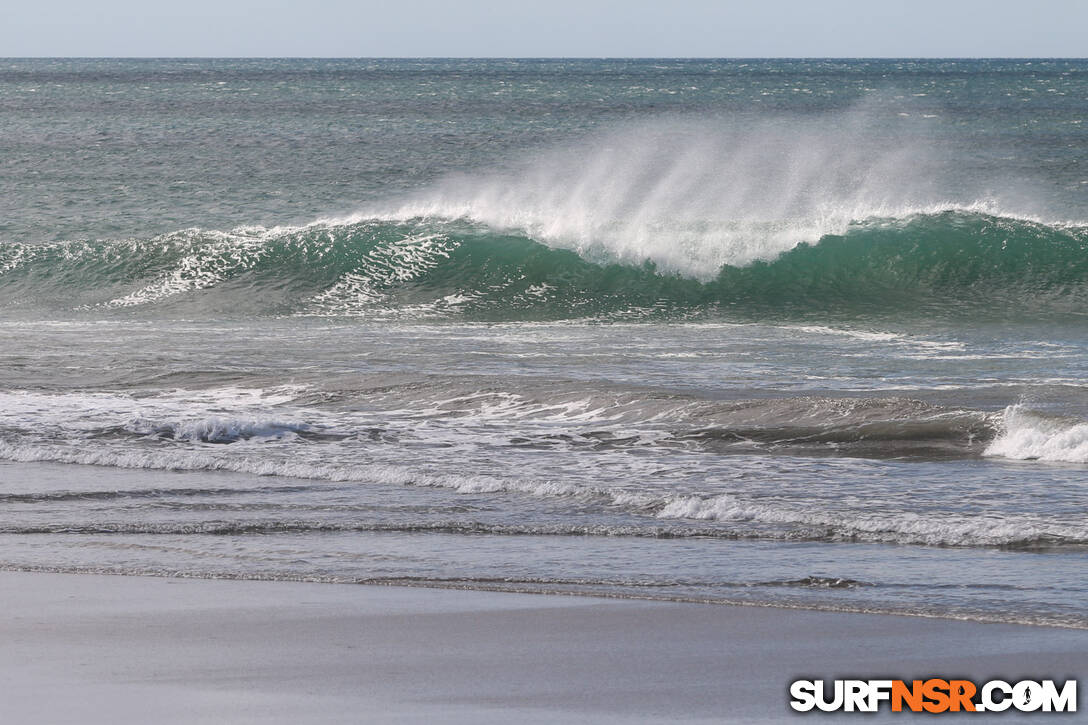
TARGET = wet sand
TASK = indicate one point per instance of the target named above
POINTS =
(112, 649)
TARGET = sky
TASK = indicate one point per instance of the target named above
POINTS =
(545, 28)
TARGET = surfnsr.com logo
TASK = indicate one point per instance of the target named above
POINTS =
(933, 695)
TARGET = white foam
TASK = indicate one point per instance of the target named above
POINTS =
(1029, 436)
(933, 528)
(215, 429)
(209, 256)
(381, 268)
(181, 414)
(858, 334)
(793, 520)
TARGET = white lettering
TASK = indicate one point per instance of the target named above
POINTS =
(988, 701)
(803, 693)
(1064, 701)
(829, 705)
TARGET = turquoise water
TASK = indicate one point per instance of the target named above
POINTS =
(808, 333)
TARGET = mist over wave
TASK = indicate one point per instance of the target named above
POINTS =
(692, 196)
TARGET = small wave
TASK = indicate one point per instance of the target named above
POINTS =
(1012, 535)
(899, 527)
(143, 493)
(469, 528)
(733, 516)
(564, 415)
(215, 430)
(1028, 435)
(817, 582)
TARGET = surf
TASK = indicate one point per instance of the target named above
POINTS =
(943, 263)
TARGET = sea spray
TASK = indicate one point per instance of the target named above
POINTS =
(1030, 435)
(692, 196)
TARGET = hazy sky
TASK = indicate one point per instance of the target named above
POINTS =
(595, 28)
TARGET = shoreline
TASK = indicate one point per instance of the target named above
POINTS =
(92, 648)
(515, 589)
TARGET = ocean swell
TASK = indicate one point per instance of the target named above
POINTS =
(951, 262)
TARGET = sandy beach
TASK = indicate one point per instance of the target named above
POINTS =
(110, 649)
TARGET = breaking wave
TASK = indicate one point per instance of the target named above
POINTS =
(1029, 435)
(955, 261)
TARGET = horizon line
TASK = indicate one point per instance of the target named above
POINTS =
(544, 57)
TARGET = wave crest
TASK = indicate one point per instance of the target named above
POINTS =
(1029, 435)
(949, 262)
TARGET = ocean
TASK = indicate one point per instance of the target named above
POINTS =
(802, 333)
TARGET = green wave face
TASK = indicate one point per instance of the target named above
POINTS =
(945, 264)
(941, 264)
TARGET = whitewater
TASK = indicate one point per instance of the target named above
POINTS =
(799, 333)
